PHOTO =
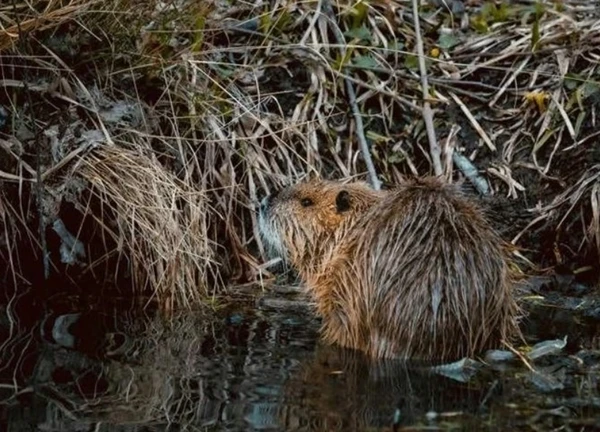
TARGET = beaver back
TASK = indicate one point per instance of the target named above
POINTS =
(420, 275)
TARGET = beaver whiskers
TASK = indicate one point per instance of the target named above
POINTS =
(270, 232)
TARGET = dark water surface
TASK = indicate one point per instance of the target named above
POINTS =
(243, 367)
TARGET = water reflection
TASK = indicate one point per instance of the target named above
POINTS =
(238, 368)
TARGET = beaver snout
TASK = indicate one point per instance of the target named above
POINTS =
(264, 203)
(268, 234)
(267, 201)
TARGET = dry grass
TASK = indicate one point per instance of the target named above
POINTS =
(230, 101)
(8, 238)
(159, 224)
(17, 18)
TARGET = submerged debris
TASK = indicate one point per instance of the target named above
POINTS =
(462, 370)
(549, 378)
(499, 356)
(71, 249)
(545, 348)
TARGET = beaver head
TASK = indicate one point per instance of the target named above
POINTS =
(301, 222)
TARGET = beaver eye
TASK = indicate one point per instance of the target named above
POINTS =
(306, 202)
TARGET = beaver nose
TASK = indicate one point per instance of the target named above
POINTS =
(264, 203)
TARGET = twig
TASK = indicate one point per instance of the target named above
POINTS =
(484, 136)
(313, 23)
(360, 133)
(38, 160)
(434, 148)
(518, 354)
(15, 178)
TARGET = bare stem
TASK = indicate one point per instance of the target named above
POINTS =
(360, 133)
(434, 148)
(38, 159)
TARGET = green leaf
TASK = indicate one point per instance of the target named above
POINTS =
(502, 13)
(497, 13)
(283, 21)
(579, 122)
(396, 158)
(535, 34)
(411, 61)
(395, 46)
(589, 88)
(559, 6)
(447, 41)
(365, 62)
(359, 13)
(377, 138)
(479, 24)
(198, 35)
(342, 60)
(264, 23)
(360, 33)
(535, 27)
(539, 8)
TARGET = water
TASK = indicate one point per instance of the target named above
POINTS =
(78, 366)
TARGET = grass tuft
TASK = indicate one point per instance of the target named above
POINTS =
(159, 223)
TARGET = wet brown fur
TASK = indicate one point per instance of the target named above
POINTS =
(415, 272)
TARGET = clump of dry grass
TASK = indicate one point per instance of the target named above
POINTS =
(15, 235)
(238, 100)
(160, 224)
(17, 18)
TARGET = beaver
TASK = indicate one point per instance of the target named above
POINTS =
(413, 272)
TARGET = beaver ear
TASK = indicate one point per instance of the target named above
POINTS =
(342, 201)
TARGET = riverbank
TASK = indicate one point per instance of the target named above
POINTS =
(137, 137)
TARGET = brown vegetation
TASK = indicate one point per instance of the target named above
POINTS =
(205, 106)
